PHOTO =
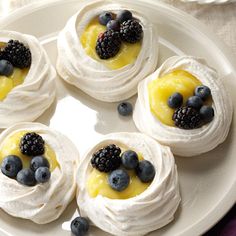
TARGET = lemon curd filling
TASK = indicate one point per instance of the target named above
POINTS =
(127, 54)
(10, 146)
(8, 83)
(161, 89)
(97, 184)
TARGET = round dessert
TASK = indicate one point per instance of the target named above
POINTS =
(38, 169)
(184, 105)
(106, 48)
(126, 182)
(27, 78)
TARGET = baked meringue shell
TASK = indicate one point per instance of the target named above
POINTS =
(42, 203)
(28, 101)
(150, 210)
(187, 142)
(91, 76)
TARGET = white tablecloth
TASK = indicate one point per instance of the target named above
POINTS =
(220, 18)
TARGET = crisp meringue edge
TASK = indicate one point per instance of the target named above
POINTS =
(66, 76)
(36, 126)
(26, 38)
(138, 105)
(96, 145)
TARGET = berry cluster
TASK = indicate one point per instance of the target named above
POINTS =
(39, 166)
(194, 114)
(109, 159)
(13, 54)
(120, 27)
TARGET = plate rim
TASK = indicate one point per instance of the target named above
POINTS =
(223, 206)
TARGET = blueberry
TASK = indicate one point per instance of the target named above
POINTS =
(6, 68)
(195, 102)
(105, 17)
(203, 92)
(11, 165)
(175, 100)
(145, 171)
(125, 108)
(113, 25)
(124, 16)
(38, 161)
(129, 159)
(42, 174)
(26, 177)
(119, 180)
(79, 226)
(206, 113)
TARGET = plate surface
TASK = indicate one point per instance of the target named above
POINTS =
(207, 183)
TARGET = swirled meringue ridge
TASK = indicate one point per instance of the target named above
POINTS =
(42, 203)
(91, 76)
(186, 142)
(28, 101)
(150, 210)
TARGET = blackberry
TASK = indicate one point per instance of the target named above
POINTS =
(131, 31)
(32, 144)
(186, 118)
(108, 44)
(107, 159)
(16, 53)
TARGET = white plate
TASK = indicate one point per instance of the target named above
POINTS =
(208, 183)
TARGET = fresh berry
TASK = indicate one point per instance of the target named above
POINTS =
(129, 159)
(125, 108)
(32, 144)
(119, 180)
(175, 100)
(194, 102)
(17, 53)
(105, 17)
(107, 159)
(6, 68)
(11, 165)
(108, 44)
(203, 92)
(42, 174)
(131, 31)
(186, 118)
(113, 25)
(79, 226)
(26, 177)
(145, 171)
(124, 16)
(206, 113)
(38, 161)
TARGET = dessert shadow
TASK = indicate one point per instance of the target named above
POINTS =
(106, 121)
